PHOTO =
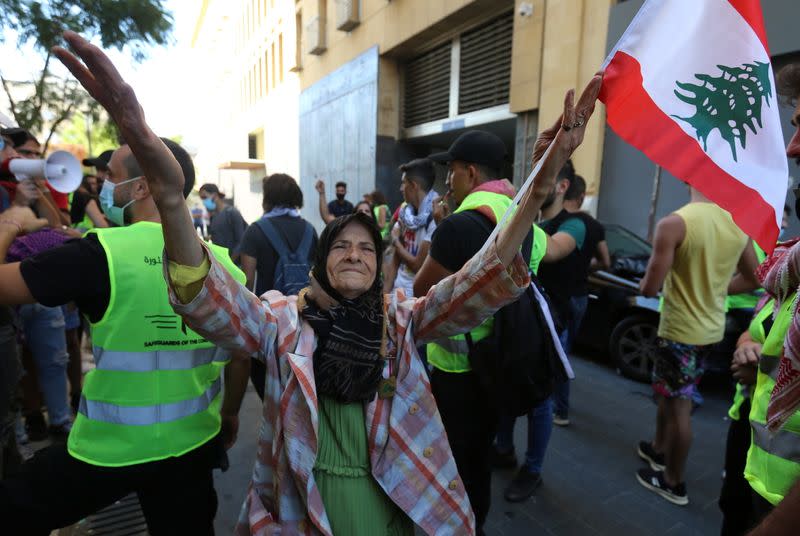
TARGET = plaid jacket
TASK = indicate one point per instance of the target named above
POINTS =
(409, 453)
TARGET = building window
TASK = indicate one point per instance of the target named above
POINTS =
(252, 146)
(427, 87)
(298, 40)
(266, 71)
(260, 77)
(485, 65)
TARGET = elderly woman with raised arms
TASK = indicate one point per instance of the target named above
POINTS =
(351, 441)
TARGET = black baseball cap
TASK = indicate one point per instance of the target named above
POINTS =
(475, 147)
(99, 162)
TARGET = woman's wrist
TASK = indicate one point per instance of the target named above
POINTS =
(11, 226)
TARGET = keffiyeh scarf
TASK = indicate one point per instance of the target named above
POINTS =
(414, 220)
(780, 276)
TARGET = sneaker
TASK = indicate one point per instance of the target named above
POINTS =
(60, 432)
(649, 454)
(36, 426)
(523, 486)
(560, 420)
(654, 481)
(503, 460)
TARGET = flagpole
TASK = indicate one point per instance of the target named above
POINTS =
(651, 219)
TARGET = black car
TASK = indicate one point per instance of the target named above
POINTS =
(622, 322)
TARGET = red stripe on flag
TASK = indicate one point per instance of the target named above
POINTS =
(750, 10)
(636, 118)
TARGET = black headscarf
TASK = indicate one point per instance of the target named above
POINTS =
(348, 363)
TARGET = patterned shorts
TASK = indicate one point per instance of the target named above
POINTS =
(678, 368)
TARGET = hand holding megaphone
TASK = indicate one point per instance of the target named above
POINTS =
(61, 169)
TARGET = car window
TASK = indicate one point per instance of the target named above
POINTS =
(623, 243)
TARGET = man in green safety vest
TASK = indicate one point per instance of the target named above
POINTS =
(773, 460)
(151, 411)
(475, 161)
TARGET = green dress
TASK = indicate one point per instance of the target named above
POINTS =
(355, 503)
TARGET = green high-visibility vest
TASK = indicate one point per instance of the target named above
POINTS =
(155, 391)
(757, 334)
(773, 460)
(748, 300)
(451, 354)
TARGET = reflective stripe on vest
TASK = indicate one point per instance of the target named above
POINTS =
(452, 355)
(159, 360)
(147, 415)
(773, 461)
(757, 334)
(155, 391)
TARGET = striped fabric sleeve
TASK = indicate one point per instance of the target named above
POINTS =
(463, 300)
(226, 313)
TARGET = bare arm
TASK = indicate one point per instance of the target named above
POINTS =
(237, 373)
(249, 268)
(96, 215)
(669, 234)
(324, 213)
(382, 215)
(13, 222)
(164, 176)
(414, 262)
(745, 280)
(428, 275)
(601, 259)
(784, 519)
(559, 246)
(390, 272)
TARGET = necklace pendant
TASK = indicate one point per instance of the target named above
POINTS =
(387, 387)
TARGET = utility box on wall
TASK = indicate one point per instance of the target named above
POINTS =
(315, 36)
(347, 14)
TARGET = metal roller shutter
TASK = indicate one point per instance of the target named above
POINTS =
(485, 71)
(427, 87)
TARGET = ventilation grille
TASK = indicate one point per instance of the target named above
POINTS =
(427, 87)
(486, 65)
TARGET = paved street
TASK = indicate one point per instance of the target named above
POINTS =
(589, 484)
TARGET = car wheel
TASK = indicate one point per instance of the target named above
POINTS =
(633, 347)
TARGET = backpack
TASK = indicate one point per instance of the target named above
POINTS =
(517, 365)
(291, 271)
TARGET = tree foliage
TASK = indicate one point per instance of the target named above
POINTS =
(42, 105)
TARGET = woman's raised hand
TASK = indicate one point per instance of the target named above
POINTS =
(95, 71)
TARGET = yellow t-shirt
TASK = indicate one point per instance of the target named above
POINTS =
(696, 286)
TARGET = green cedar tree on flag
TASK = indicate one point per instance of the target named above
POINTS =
(691, 85)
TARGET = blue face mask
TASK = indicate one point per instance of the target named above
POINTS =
(114, 213)
(209, 203)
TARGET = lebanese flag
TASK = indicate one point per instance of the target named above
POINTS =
(691, 85)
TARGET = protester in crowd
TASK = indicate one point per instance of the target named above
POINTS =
(100, 164)
(772, 469)
(151, 411)
(340, 206)
(27, 146)
(382, 212)
(282, 202)
(328, 216)
(573, 201)
(318, 425)
(474, 161)
(227, 224)
(84, 210)
(411, 235)
(695, 251)
(19, 220)
(574, 237)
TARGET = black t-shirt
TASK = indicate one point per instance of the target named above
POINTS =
(460, 236)
(75, 271)
(77, 210)
(256, 245)
(340, 209)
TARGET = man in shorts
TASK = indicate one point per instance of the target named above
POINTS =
(696, 249)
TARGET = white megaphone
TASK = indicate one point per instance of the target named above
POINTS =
(61, 169)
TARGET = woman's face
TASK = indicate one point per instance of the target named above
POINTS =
(364, 209)
(352, 261)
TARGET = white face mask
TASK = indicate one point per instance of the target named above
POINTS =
(114, 213)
